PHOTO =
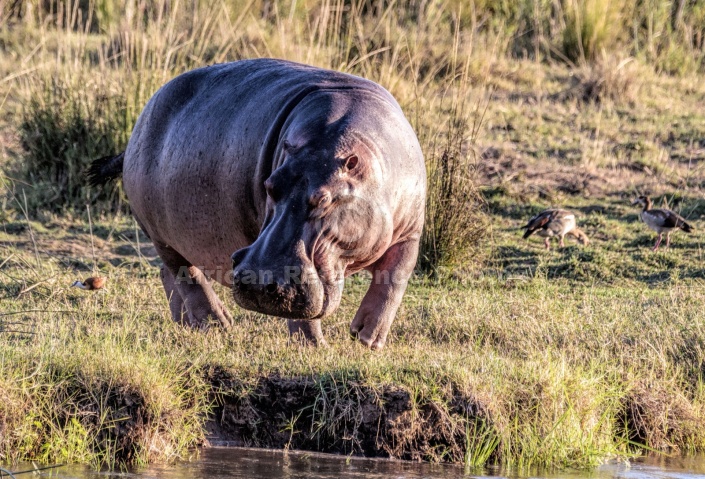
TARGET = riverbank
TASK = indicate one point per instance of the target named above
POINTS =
(512, 369)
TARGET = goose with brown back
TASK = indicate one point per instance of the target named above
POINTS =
(555, 223)
(661, 220)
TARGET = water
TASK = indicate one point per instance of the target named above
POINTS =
(235, 463)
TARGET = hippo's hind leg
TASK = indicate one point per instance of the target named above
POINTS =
(195, 294)
(390, 276)
(176, 302)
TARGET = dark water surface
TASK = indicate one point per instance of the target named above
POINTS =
(235, 463)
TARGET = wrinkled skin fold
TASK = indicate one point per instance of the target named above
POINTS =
(278, 180)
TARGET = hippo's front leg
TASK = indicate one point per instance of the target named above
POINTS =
(390, 276)
(307, 330)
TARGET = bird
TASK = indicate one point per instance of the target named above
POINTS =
(555, 222)
(92, 283)
(661, 220)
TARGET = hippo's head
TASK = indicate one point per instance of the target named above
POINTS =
(325, 217)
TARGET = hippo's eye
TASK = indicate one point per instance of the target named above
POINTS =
(274, 186)
(269, 186)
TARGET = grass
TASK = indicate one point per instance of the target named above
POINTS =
(511, 355)
(589, 28)
(455, 218)
(559, 363)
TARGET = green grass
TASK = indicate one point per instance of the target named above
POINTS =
(561, 361)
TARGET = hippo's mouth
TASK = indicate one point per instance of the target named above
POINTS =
(257, 290)
(307, 291)
(311, 294)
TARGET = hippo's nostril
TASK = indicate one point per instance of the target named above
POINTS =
(271, 288)
(237, 281)
(238, 256)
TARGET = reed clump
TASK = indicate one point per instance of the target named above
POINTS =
(592, 27)
(456, 221)
(65, 125)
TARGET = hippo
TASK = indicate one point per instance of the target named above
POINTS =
(277, 180)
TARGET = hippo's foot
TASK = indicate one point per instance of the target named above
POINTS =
(192, 300)
(306, 331)
(214, 312)
(390, 275)
(369, 330)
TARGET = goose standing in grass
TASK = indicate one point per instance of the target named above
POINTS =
(92, 283)
(661, 220)
(555, 223)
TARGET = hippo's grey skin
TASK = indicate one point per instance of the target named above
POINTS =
(307, 175)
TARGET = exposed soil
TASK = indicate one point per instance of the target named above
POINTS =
(319, 414)
(503, 165)
(316, 414)
(78, 248)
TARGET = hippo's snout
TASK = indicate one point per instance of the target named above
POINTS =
(286, 292)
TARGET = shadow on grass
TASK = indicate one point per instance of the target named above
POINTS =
(595, 264)
(516, 259)
(642, 241)
(515, 212)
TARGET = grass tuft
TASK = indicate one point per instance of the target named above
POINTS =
(64, 127)
(606, 80)
(591, 28)
(456, 222)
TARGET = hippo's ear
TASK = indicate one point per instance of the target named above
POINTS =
(351, 162)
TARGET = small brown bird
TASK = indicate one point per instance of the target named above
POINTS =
(92, 283)
(555, 223)
(661, 220)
